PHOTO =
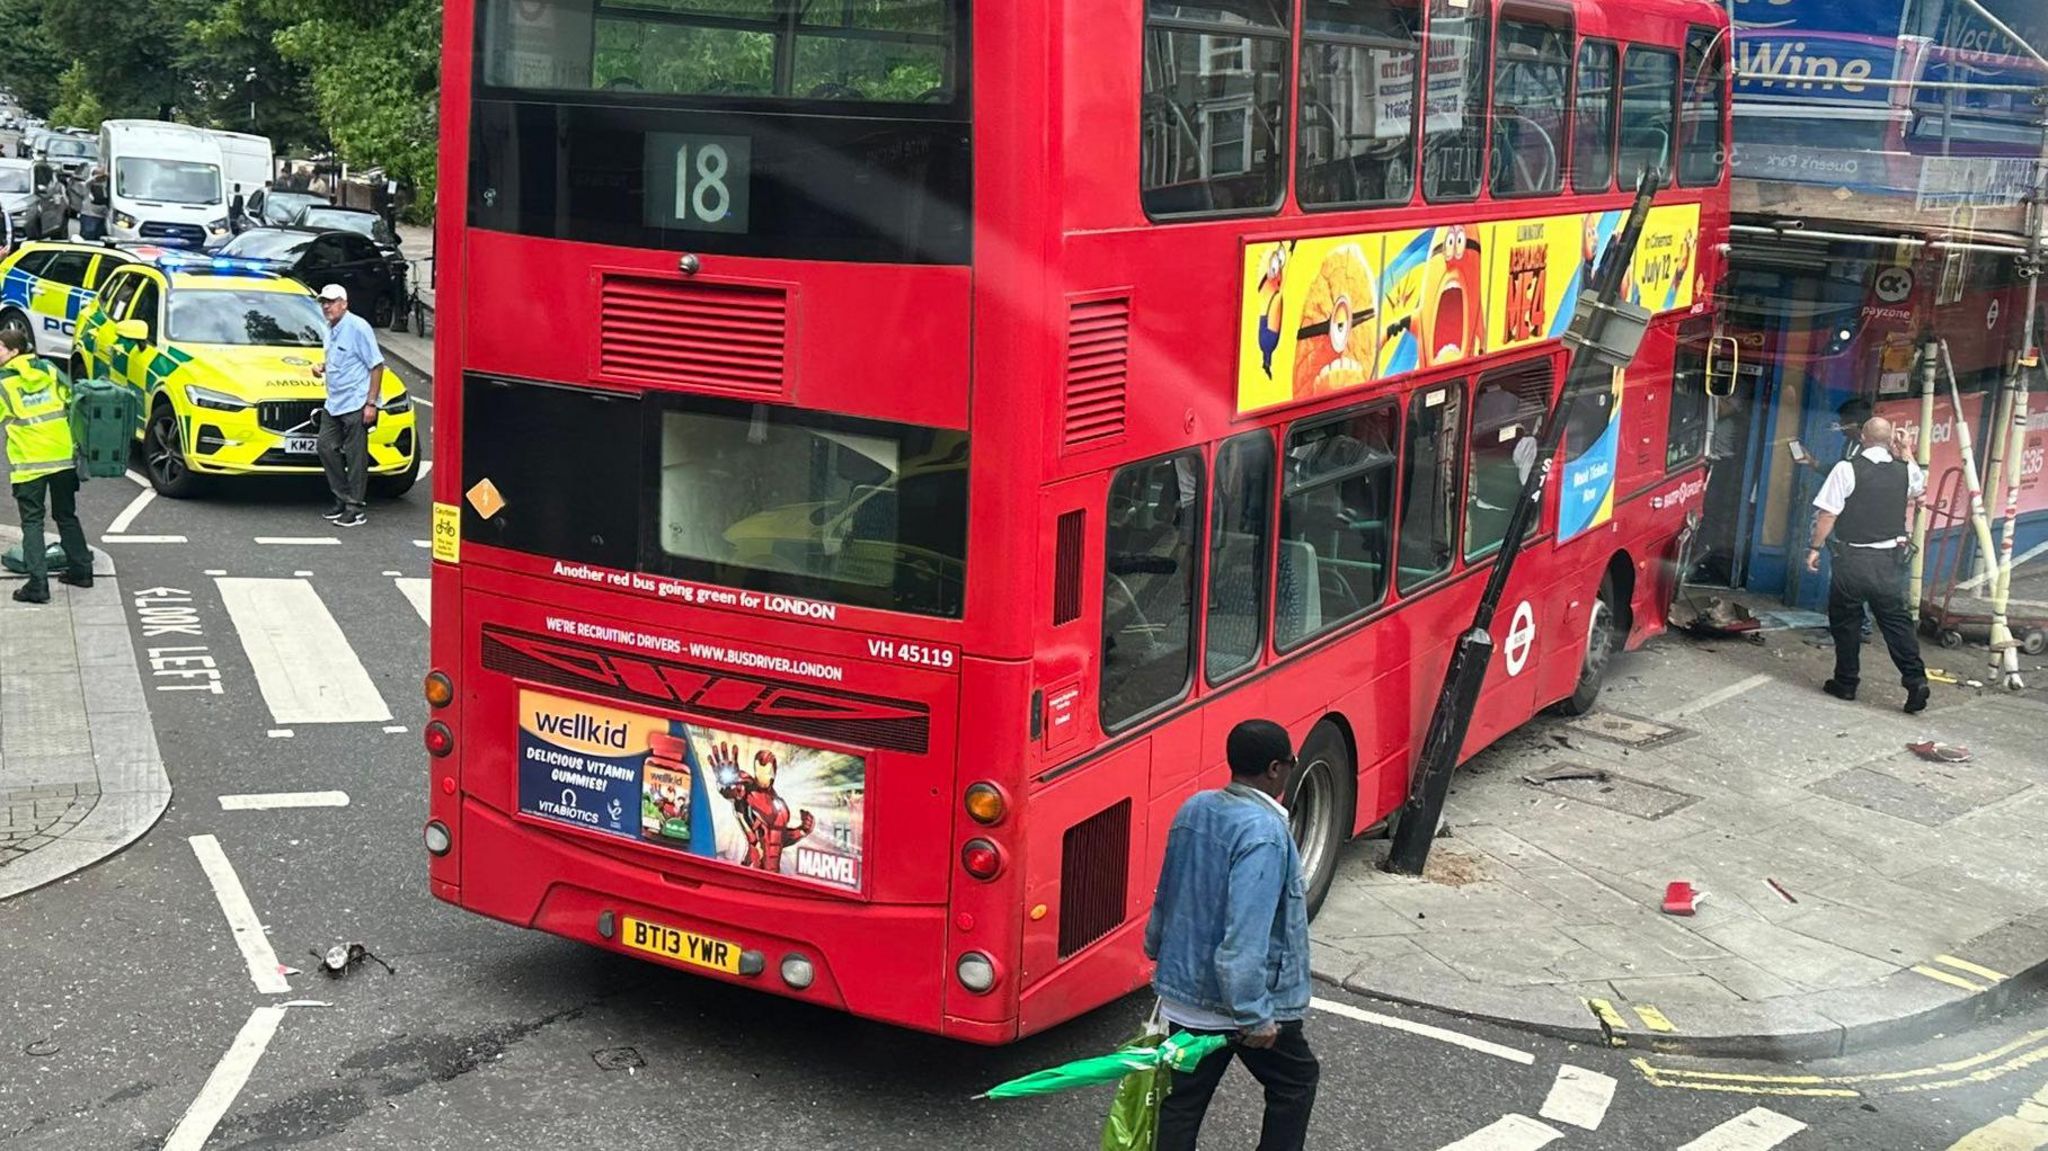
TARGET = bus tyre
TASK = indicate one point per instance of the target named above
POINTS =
(1600, 644)
(398, 483)
(1321, 804)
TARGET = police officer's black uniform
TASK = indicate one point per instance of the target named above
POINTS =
(1867, 553)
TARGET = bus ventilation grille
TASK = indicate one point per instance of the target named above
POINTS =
(714, 336)
(1095, 863)
(1066, 567)
(1098, 365)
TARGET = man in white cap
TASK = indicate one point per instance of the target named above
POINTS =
(354, 372)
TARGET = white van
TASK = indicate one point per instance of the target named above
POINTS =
(164, 184)
(247, 163)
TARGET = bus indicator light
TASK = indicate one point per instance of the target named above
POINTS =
(985, 804)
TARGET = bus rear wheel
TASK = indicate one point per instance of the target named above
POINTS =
(1321, 803)
(1600, 644)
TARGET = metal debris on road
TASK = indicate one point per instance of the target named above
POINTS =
(1565, 771)
(1939, 752)
(345, 957)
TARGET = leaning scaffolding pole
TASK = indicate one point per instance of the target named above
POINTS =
(2005, 653)
(1980, 519)
(1924, 453)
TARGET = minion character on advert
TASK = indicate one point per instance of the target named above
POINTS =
(1335, 344)
(1435, 300)
(1272, 293)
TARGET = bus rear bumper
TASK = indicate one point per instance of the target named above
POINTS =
(875, 960)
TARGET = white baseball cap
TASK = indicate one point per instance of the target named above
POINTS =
(334, 292)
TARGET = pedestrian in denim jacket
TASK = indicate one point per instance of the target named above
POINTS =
(1229, 932)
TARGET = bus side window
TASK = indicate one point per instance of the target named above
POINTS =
(1532, 74)
(1213, 132)
(1336, 516)
(1649, 109)
(1351, 150)
(1430, 474)
(1701, 155)
(1593, 119)
(1685, 433)
(1507, 420)
(1454, 111)
(1240, 537)
(1148, 592)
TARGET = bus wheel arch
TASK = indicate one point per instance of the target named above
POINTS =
(1608, 621)
(1322, 797)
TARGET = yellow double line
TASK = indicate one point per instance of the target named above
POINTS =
(1985, 977)
(2026, 1051)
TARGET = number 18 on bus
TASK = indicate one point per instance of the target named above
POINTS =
(878, 464)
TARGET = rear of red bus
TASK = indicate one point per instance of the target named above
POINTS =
(700, 604)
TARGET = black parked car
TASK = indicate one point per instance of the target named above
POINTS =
(317, 257)
(361, 221)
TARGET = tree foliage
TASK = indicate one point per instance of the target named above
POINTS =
(359, 77)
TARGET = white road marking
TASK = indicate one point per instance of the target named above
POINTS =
(138, 477)
(229, 1076)
(114, 539)
(142, 500)
(425, 467)
(423, 401)
(417, 590)
(234, 903)
(304, 665)
(395, 729)
(1579, 1097)
(390, 574)
(216, 571)
(279, 733)
(1508, 1133)
(1717, 696)
(300, 541)
(1469, 1043)
(303, 575)
(271, 801)
(1757, 1129)
(422, 543)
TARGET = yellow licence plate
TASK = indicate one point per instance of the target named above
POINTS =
(684, 946)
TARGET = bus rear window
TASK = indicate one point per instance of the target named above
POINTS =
(824, 507)
(827, 130)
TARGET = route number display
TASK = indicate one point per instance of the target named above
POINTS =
(697, 182)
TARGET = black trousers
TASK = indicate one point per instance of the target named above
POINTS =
(1287, 1070)
(57, 495)
(1871, 576)
(345, 455)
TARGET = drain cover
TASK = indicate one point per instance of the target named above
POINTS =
(1629, 730)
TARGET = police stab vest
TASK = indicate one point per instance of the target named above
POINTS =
(37, 419)
(1875, 512)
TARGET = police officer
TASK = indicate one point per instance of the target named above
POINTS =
(1862, 505)
(40, 455)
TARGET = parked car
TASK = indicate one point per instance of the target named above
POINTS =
(361, 221)
(274, 207)
(71, 155)
(317, 257)
(31, 197)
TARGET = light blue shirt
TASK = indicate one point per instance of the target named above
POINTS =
(351, 353)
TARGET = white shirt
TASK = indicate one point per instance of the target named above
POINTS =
(1841, 484)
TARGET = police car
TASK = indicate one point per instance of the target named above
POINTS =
(222, 350)
(46, 285)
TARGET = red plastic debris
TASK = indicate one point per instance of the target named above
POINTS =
(1940, 752)
(1679, 898)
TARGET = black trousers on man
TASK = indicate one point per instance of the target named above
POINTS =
(1287, 1070)
(345, 456)
(1871, 576)
(57, 496)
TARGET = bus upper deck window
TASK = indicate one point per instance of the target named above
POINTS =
(1454, 114)
(1351, 151)
(1212, 131)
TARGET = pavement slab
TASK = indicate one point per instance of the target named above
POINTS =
(1837, 867)
(80, 774)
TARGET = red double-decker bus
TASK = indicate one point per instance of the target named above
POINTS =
(885, 445)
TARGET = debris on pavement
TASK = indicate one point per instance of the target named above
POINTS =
(1724, 619)
(1680, 898)
(41, 1048)
(1566, 771)
(1780, 889)
(345, 957)
(1939, 676)
(287, 969)
(1940, 752)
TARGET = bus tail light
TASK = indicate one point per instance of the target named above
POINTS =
(438, 839)
(438, 738)
(981, 859)
(438, 688)
(977, 972)
(985, 804)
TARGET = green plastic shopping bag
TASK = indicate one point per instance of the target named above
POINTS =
(1133, 1123)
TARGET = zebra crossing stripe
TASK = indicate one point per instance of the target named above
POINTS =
(1579, 1097)
(1507, 1133)
(1757, 1129)
(303, 663)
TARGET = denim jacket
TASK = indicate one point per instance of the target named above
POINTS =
(1229, 926)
